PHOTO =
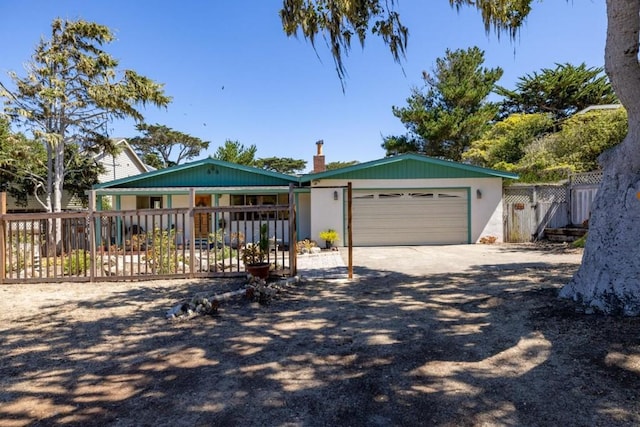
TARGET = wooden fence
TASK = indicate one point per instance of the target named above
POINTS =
(143, 244)
(529, 209)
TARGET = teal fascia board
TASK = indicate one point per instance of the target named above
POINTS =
(409, 166)
(206, 172)
(217, 173)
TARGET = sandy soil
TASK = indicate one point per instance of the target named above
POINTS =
(487, 346)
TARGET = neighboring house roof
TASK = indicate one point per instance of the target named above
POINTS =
(207, 172)
(125, 163)
(408, 166)
(600, 107)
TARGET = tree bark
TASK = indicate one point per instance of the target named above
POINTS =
(608, 279)
(56, 177)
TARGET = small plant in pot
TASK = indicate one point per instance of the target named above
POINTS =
(329, 236)
(254, 255)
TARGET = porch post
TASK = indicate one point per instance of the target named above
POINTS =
(119, 237)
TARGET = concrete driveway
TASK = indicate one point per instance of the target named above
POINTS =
(425, 260)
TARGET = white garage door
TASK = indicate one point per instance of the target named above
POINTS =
(410, 217)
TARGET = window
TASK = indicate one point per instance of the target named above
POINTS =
(148, 202)
(259, 200)
(421, 195)
(389, 195)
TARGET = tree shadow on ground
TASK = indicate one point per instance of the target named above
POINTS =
(491, 346)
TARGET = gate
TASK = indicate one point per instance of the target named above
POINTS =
(529, 209)
(584, 187)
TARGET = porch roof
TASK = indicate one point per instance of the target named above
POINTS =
(165, 191)
(203, 173)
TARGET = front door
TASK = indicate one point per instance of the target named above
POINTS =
(202, 224)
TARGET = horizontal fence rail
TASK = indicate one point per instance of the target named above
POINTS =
(143, 244)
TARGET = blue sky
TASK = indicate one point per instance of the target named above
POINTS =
(233, 74)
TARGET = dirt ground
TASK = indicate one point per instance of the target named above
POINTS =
(490, 345)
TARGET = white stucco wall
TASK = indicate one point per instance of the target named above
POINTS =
(485, 211)
(326, 212)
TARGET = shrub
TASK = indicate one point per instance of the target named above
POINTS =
(77, 262)
(580, 242)
(329, 236)
(161, 253)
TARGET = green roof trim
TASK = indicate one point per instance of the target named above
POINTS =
(408, 166)
(207, 172)
(212, 173)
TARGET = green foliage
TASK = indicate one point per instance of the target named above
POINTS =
(504, 143)
(22, 163)
(255, 253)
(452, 111)
(285, 165)
(560, 92)
(338, 165)
(584, 137)
(264, 237)
(77, 262)
(157, 144)
(252, 254)
(575, 147)
(338, 21)
(234, 152)
(223, 251)
(153, 160)
(71, 92)
(579, 243)
(330, 236)
(161, 253)
(81, 172)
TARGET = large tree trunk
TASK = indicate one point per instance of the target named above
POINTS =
(608, 279)
(56, 179)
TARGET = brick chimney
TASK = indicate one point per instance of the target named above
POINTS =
(318, 159)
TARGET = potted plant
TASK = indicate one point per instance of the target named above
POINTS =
(329, 236)
(254, 255)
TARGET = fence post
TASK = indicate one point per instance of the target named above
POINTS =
(192, 233)
(293, 236)
(350, 227)
(3, 248)
(92, 235)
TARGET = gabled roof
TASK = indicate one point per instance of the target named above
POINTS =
(408, 166)
(130, 152)
(207, 172)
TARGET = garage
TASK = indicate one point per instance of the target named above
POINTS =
(410, 217)
(408, 199)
